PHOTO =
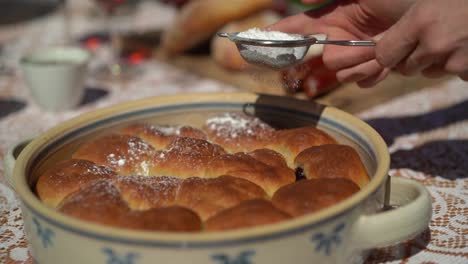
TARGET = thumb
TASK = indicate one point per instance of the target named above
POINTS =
(397, 42)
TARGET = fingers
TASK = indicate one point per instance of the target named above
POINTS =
(457, 63)
(360, 72)
(420, 43)
(434, 71)
(342, 57)
(464, 76)
(374, 79)
(366, 74)
(335, 57)
(398, 41)
(416, 62)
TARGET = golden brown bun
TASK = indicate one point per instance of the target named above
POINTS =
(269, 157)
(161, 136)
(249, 213)
(100, 202)
(332, 161)
(307, 196)
(199, 20)
(185, 157)
(145, 192)
(237, 132)
(225, 53)
(244, 166)
(172, 218)
(66, 177)
(209, 196)
(127, 155)
(291, 142)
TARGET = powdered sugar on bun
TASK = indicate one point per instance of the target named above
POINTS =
(160, 136)
(125, 154)
(238, 132)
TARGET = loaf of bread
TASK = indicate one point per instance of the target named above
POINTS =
(198, 20)
(234, 171)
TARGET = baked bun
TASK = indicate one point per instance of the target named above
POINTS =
(161, 136)
(332, 161)
(127, 155)
(170, 219)
(308, 196)
(209, 196)
(291, 142)
(144, 192)
(269, 157)
(238, 132)
(100, 202)
(244, 166)
(185, 157)
(67, 177)
(249, 213)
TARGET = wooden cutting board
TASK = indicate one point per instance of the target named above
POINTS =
(348, 97)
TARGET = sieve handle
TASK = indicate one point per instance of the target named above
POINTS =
(346, 42)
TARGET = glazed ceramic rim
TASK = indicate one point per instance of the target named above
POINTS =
(76, 57)
(203, 239)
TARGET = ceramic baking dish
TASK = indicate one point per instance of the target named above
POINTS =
(339, 234)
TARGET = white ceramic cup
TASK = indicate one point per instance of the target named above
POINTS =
(55, 76)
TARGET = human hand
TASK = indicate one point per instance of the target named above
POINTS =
(366, 19)
(431, 38)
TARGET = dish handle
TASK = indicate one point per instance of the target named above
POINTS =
(410, 217)
(10, 158)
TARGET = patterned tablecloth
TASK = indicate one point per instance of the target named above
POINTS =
(427, 133)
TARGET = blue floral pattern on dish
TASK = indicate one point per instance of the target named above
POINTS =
(242, 258)
(114, 258)
(45, 234)
(325, 242)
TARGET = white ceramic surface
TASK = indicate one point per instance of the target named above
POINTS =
(339, 234)
(55, 76)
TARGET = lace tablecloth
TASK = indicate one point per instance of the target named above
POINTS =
(427, 132)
